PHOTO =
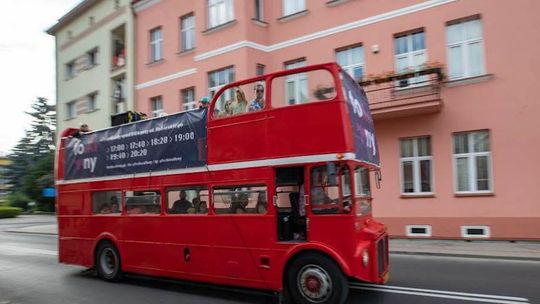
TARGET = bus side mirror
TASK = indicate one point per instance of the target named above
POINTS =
(332, 176)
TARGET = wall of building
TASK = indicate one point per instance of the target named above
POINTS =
(501, 101)
(79, 36)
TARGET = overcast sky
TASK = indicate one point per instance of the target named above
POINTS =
(27, 67)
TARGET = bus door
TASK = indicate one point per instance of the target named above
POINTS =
(289, 201)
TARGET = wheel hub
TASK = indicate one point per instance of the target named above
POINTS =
(314, 283)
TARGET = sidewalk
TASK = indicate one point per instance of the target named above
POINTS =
(520, 250)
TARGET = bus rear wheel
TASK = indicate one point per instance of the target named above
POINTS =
(108, 262)
(316, 279)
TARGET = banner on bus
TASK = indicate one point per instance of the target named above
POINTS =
(175, 141)
(366, 148)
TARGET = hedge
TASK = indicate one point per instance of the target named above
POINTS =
(9, 212)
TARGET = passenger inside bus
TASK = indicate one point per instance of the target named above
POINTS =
(105, 208)
(182, 205)
(257, 103)
(240, 105)
(318, 193)
(239, 201)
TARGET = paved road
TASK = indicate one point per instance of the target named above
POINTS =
(29, 273)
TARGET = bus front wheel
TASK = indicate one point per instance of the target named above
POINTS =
(316, 278)
(108, 262)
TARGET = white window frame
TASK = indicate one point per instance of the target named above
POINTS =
(92, 101)
(187, 32)
(154, 102)
(70, 70)
(486, 229)
(259, 10)
(409, 228)
(71, 110)
(350, 66)
(415, 159)
(465, 44)
(192, 103)
(156, 44)
(291, 7)
(409, 57)
(471, 164)
(296, 80)
(219, 12)
(227, 79)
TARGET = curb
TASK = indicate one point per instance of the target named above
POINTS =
(469, 256)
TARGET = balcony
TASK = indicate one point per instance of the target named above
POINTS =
(402, 95)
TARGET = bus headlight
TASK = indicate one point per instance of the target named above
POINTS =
(365, 258)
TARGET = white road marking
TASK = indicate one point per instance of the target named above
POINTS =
(9, 249)
(441, 294)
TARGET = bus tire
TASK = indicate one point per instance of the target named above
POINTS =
(108, 263)
(315, 278)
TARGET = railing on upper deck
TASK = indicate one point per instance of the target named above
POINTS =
(407, 94)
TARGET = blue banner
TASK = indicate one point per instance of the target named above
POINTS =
(363, 129)
(171, 142)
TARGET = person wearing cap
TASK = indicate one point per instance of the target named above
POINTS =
(204, 102)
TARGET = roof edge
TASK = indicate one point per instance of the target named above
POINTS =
(71, 15)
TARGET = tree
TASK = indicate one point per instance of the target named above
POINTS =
(32, 158)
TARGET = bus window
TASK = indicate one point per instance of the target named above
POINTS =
(362, 189)
(106, 202)
(327, 198)
(317, 85)
(187, 200)
(143, 202)
(240, 199)
(241, 99)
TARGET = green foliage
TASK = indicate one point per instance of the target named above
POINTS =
(19, 200)
(32, 159)
(9, 211)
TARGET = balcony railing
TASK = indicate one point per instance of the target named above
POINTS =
(405, 94)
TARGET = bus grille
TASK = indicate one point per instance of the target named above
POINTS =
(382, 255)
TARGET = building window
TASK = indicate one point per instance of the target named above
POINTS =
(259, 4)
(70, 110)
(472, 162)
(188, 99)
(92, 102)
(410, 56)
(351, 60)
(92, 58)
(216, 80)
(296, 85)
(157, 105)
(259, 69)
(416, 165)
(187, 30)
(70, 69)
(465, 49)
(119, 94)
(156, 45)
(293, 6)
(219, 12)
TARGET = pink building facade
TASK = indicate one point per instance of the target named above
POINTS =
(458, 154)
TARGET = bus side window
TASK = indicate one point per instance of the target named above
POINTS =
(187, 200)
(106, 202)
(240, 199)
(299, 88)
(143, 202)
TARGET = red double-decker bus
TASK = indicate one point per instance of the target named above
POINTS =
(268, 188)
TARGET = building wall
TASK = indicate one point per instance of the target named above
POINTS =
(4, 187)
(501, 101)
(76, 37)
